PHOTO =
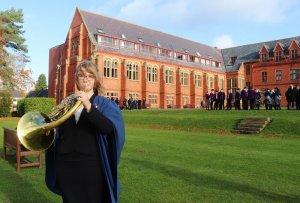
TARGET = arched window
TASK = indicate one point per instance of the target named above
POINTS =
(169, 76)
(110, 68)
(152, 73)
(114, 69)
(107, 68)
(135, 72)
(129, 70)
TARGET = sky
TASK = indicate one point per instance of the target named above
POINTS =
(220, 23)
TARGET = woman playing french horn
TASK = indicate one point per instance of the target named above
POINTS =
(82, 164)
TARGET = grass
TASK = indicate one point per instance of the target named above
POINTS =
(189, 156)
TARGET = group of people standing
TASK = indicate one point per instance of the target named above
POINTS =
(293, 97)
(131, 104)
(251, 98)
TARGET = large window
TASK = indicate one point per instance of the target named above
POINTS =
(145, 48)
(221, 83)
(113, 95)
(211, 82)
(132, 71)
(127, 44)
(152, 99)
(264, 76)
(278, 56)
(164, 52)
(185, 100)
(294, 54)
(294, 74)
(278, 75)
(184, 79)
(263, 57)
(231, 84)
(107, 41)
(169, 76)
(134, 96)
(248, 69)
(170, 99)
(110, 68)
(152, 73)
(198, 80)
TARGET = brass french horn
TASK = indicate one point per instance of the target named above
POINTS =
(36, 131)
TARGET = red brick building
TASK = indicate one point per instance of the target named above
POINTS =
(138, 62)
(264, 65)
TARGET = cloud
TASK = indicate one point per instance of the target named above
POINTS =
(199, 12)
(223, 41)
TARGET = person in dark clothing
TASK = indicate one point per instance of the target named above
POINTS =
(237, 100)
(244, 96)
(268, 99)
(221, 98)
(257, 99)
(298, 97)
(252, 94)
(293, 97)
(117, 101)
(139, 104)
(229, 99)
(277, 99)
(290, 97)
(207, 101)
(212, 97)
(125, 103)
(216, 100)
(82, 164)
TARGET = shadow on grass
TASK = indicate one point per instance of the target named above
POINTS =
(201, 180)
(14, 187)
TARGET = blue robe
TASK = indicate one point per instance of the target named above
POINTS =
(110, 147)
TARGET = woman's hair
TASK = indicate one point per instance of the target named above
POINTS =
(91, 68)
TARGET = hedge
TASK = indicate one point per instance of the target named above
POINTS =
(38, 104)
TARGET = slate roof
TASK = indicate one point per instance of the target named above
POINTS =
(250, 52)
(115, 28)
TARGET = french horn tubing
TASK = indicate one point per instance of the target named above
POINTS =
(36, 130)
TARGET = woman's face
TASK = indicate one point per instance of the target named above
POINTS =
(85, 80)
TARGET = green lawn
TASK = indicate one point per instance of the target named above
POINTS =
(189, 156)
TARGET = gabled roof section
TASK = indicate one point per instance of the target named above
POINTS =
(294, 45)
(115, 28)
(278, 47)
(250, 52)
(264, 49)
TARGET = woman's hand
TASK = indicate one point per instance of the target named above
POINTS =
(84, 98)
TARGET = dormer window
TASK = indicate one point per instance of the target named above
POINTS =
(100, 31)
(278, 56)
(157, 44)
(294, 54)
(141, 40)
(263, 57)
(186, 50)
(123, 36)
(232, 60)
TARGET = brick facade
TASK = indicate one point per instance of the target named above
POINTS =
(126, 71)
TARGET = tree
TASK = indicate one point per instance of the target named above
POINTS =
(13, 50)
(41, 83)
(5, 103)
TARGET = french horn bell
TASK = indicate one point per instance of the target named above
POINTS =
(36, 130)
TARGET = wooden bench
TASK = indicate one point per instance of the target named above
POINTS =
(11, 140)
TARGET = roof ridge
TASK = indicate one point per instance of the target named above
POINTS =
(146, 28)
